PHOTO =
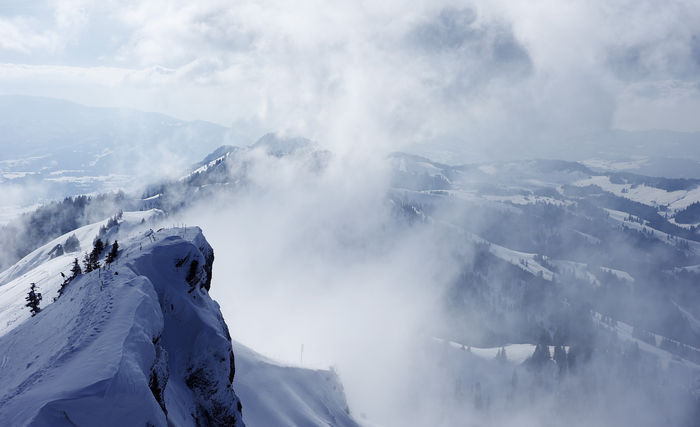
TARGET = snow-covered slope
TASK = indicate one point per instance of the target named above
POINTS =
(287, 396)
(625, 332)
(139, 343)
(142, 343)
(85, 236)
(44, 265)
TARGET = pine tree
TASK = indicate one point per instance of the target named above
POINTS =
(501, 355)
(560, 358)
(540, 356)
(101, 232)
(33, 299)
(113, 253)
(571, 356)
(76, 270)
(72, 244)
(94, 259)
(99, 247)
(86, 263)
(478, 401)
(66, 281)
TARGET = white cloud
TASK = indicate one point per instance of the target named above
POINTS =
(20, 35)
(367, 74)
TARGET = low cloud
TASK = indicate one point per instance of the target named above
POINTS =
(481, 78)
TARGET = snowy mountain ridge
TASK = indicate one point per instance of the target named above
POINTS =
(45, 264)
(140, 342)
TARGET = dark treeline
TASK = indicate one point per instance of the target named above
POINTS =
(54, 219)
(668, 184)
(689, 215)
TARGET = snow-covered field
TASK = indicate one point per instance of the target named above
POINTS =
(529, 199)
(514, 353)
(652, 196)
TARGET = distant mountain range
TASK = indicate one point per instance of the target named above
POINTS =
(569, 281)
(664, 153)
(62, 148)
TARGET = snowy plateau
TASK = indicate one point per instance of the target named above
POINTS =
(141, 343)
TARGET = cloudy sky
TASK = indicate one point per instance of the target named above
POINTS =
(368, 73)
